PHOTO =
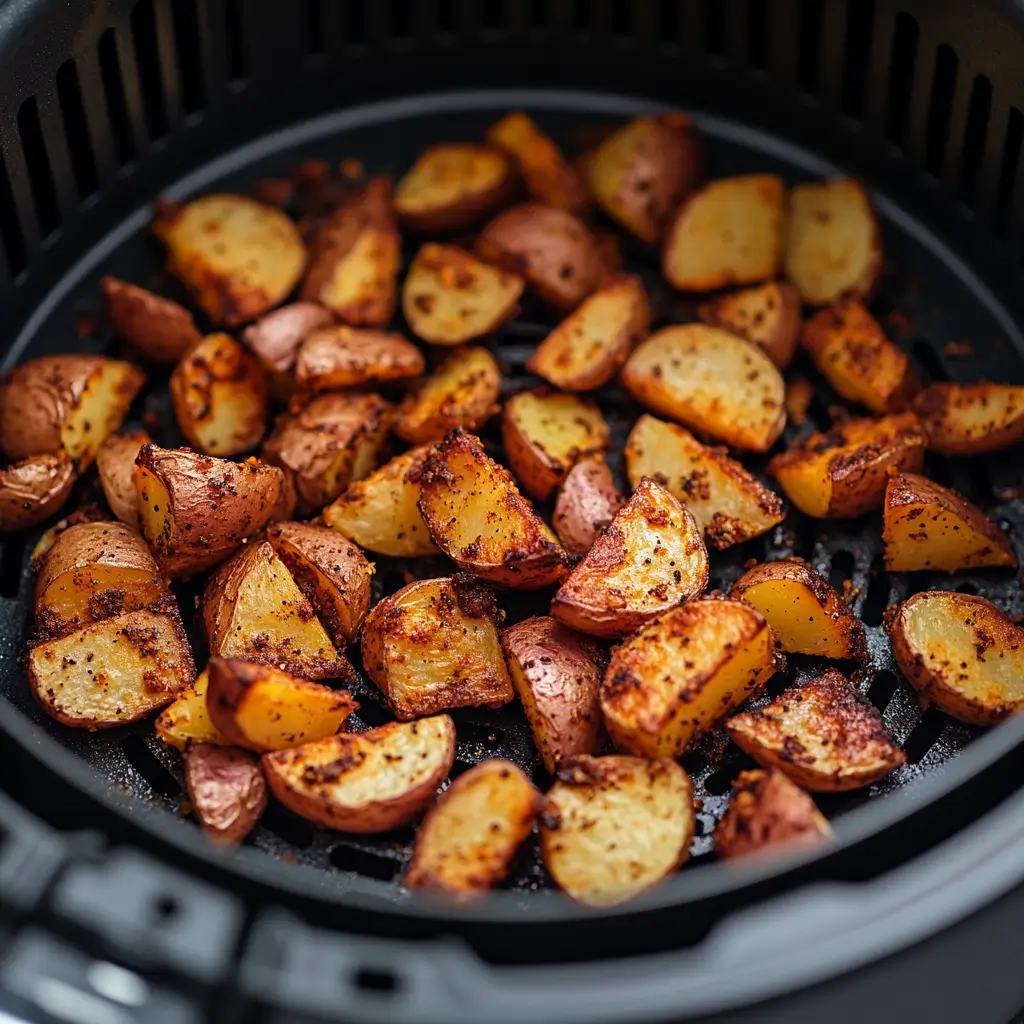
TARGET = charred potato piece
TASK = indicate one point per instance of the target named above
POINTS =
(112, 672)
(727, 233)
(927, 526)
(961, 653)
(843, 473)
(115, 463)
(433, 645)
(185, 721)
(334, 358)
(587, 502)
(72, 402)
(823, 735)
(226, 789)
(612, 827)
(729, 504)
(238, 257)
(805, 613)
(159, 328)
(684, 672)
(971, 419)
(711, 381)
(850, 349)
(449, 297)
(767, 315)
(833, 241)
(467, 840)
(649, 559)
(767, 810)
(589, 346)
(34, 489)
(365, 782)
(557, 674)
(275, 338)
(462, 391)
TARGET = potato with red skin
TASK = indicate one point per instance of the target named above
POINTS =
(971, 419)
(226, 789)
(768, 315)
(275, 338)
(161, 329)
(34, 489)
(587, 502)
(339, 357)
(115, 463)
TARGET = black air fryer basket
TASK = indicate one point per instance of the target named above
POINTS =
(112, 908)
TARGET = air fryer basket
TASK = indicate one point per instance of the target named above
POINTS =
(105, 105)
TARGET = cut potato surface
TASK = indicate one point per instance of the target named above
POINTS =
(186, 721)
(767, 315)
(34, 489)
(709, 380)
(226, 789)
(160, 328)
(823, 735)
(115, 463)
(587, 502)
(971, 419)
(334, 358)
(729, 504)
(613, 827)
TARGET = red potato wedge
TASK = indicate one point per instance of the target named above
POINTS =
(226, 789)
(334, 358)
(587, 502)
(767, 315)
(365, 782)
(971, 419)
(34, 489)
(115, 463)
(87, 514)
(162, 330)
(727, 233)
(186, 722)
(275, 338)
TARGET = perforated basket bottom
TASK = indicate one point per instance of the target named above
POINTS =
(950, 328)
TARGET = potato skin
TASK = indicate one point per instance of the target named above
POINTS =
(587, 502)
(227, 791)
(276, 336)
(333, 358)
(115, 462)
(34, 489)
(971, 419)
(767, 315)
(161, 329)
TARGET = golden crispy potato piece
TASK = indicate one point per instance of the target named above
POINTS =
(365, 782)
(72, 402)
(238, 257)
(729, 232)
(226, 789)
(545, 433)
(767, 315)
(253, 609)
(262, 708)
(275, 338)
(334, 358)
(587, 502)
(112, 672)
(971, 419)
(449, 297)
(220, 396)
(805, 613)
(556, 253)
(461, 391)
(649, 559)
(34, 489)
(961, 653)
(355, 258)
(159, 328)
(591, 344)
(612, 827)
(330, 570)
(195, 510)
(380, 512)
(927, 526)
(327, 443)
(850, 349)
(843, 473)
(711, 381)
(186, 721)
(557, 676)
(467, 840)
(823, 735)
(434, 645)
(642, 172)
(767, 810)
(684, 672)
(799, 395)
(833, 241)
(477, 517)
(115, 463)
(729, 504)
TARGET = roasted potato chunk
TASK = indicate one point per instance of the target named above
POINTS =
(590, 345)
(275, 338)
(823, 735)
(971, 419)
(433, 645)
(557, 674)
(226, 789)
(961, 653)
(185, 721)
(612, 827)
(927, 526)
(238, 257)
(112, 672)
(334, 358)
(767, 315)
(729, 232)
(711, 381)
(34, 489)
(684, 672)
(115, 463)
(477, 517)
(449, 297)
(462, 391)
(805, 613)
(162, 330)
(843, 473)
(467, 840)
(729, 504)
(587, 502)
(365, 782)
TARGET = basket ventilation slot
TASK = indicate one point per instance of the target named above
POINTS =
(38, 166)
(147, 57)
(83, 163)
(187, 45)
(116, 97)
(860, 19)
(235, 41)
(1008, 171)
(901, 82)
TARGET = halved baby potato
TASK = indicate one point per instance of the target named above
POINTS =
(115, 463)
(823, 735)
(587, 503)
(159, 328)
(767, 315)
(684, 672)
(185, 721)
(275, 338)
(711, 381)
(365, 782)
(927, 526)
(971, 419)
(34, 489)
(339, 357)
(226, 789)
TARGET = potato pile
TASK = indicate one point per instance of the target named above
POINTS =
(366, 429)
